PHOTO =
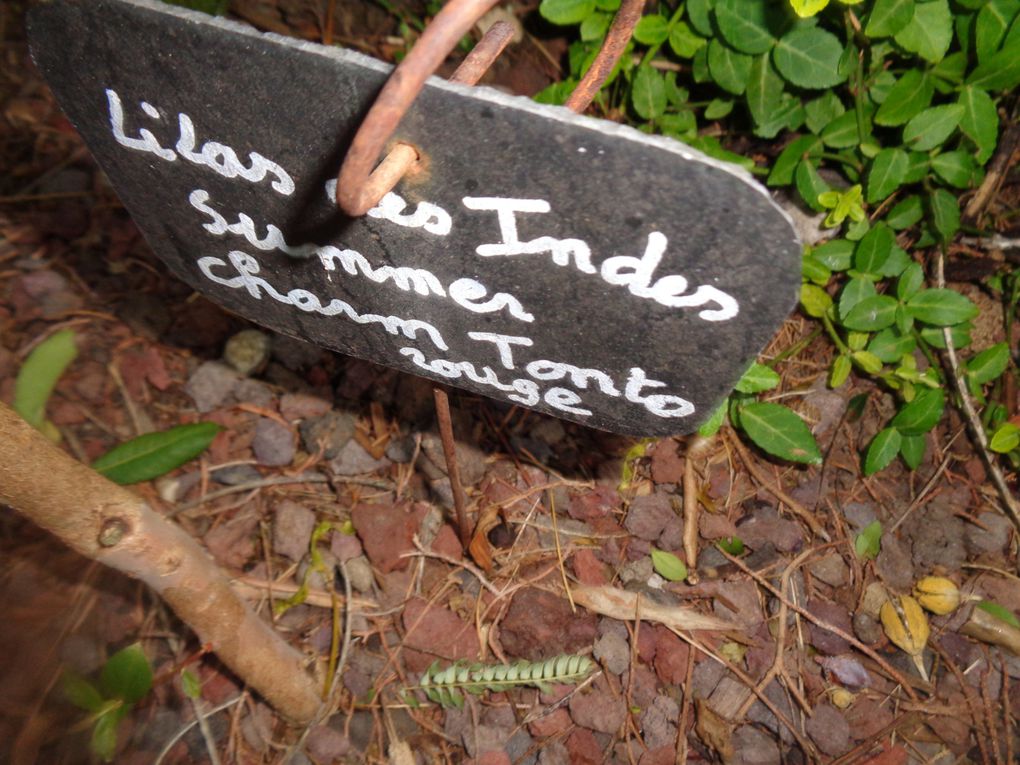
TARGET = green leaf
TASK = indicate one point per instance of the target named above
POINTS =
(652, 30)
(786, 163)
(999, 72)
(820, 111)
(888, 17)
(810, 185)
(1005, 439)
(191, 685)
(874, 249)
(854, 291)
(39, 374)
(126, 675)
(648, 93)
(809, 57)
(684, 42)
(872, 314)
(815, 300)
(565, 12)
(836, 254)
(991, 24)
(764, 90)
(668, 566)
(908, 97)
(780, 432)
(941, 307)
(729, 68)
(746, 24)
(932, 126)
(921, 414)
(813, 270)
(886, 174)
(732, 545)
(104, 736)
(154, 454)
(882, 450)
(957, 168)
(757, 378)
(980, 120)
(999, 612)
(868, 543)
(989, 364)
(595, 26)
(890, 346)
(842, 132)
(81, 692)
(905, 213)
(718, 108)
(867, 361)
(700, 14)
(929, 31)
(808, 8)
(910, 281)
(840, 371)
(912, 450)
(712, 424)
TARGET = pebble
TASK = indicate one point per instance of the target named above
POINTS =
(765, 526)
(614, 652)
(893, 565)
(296, 355)
(273, 444)
(539, 624)
(326, 744)
(831, 569)
(989, 535)
(859, 514)
(938, 537)
(211, 385)
(354, 460)
(754, 747)
(234, 475)
(248, 351)
(671, 654)
(470, 459)
(330, 431)
(554, 753)
(386, 532)
(302, 406)
(659, 721)
(254, 392)
(648, 516)
(829, 729)
(667, 465)
(292, 529)
(359, 571)
(825, 641)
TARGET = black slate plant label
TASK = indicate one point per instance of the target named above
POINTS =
(562, 263)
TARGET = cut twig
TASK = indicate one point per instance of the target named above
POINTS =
(452, 468)
(107, 523)
(623, 604)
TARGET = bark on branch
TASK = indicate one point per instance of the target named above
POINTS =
(104, 521)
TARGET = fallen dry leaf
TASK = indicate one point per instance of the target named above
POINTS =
(714, 730)
(624, 605)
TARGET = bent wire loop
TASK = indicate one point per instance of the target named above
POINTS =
(359, 188)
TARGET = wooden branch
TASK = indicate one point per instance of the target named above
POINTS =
(107, 523)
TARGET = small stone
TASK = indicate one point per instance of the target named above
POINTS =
(248, 351)
(600, 502)
(659, 721)
(292, 529)
(354, 460)
(599, 711)
(765, 526)
(588, 569)
(554, 753)
(549, 431)
(937, 535)
(471, 461)
(831, 569)
(235, 475)
(893, 565)
(255, 392)
(432, 631)
(825, 641)
(614, 653)
(345, 546)
(859, 515)
(667, 464)
(867, 717)
(989, 534)
(539, 624)
(829, 729)
(636, 571)
(359, 571)
(583, 748)
(330, 431)
(302, 406)
(754, 747)
(664, 755)
(326, 744)
(386, 532)
(672, 536)
(296, 355)
(273, 444)
(648, 516)
(211, 385)
(671, 654)
(551, 724)
(644, 686)
(400, 450)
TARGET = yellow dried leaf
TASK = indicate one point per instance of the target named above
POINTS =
(937, 594)
(905, 624)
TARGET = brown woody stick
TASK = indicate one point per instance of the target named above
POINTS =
(107, 523)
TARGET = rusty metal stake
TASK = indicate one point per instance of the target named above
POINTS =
(612, 48)
(452, 467)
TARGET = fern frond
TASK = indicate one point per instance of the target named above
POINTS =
(447, 686)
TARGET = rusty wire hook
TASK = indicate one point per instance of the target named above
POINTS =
(358, 189)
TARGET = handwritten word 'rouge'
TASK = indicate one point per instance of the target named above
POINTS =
(217, 157)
